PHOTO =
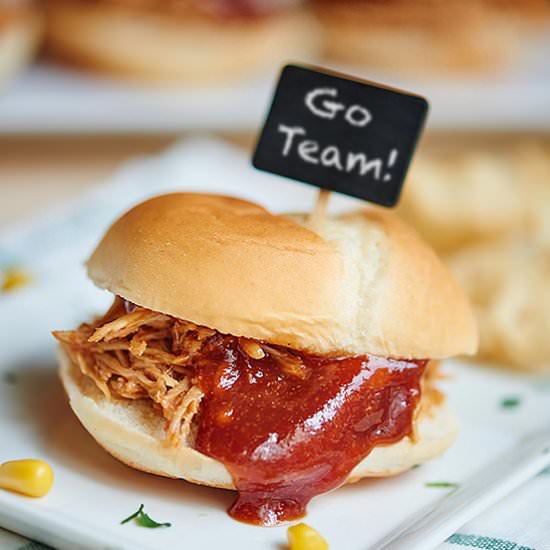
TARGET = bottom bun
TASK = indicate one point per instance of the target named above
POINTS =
(133, 432)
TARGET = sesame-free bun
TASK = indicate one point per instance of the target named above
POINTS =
(429, 36)
(359, 283)
(133, 432)
(158, 46)
(20, 33)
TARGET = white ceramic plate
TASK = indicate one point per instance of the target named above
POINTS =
(92, 491)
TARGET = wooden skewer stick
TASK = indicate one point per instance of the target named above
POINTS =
(319, 210)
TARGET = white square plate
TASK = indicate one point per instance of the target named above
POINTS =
(92, 491)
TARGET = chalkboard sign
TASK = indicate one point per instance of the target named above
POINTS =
(341, 134)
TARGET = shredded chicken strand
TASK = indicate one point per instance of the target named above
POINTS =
(290, 363)
(143, 354)
(128, 324)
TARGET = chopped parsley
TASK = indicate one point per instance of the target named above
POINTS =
(9, 378)
(510, 402)
(142, 519)
(442, 484)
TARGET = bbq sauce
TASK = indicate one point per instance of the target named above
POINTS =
(290, 427)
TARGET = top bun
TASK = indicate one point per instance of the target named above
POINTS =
(359, 283)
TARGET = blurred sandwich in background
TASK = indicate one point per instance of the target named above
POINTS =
(461, 193)
(487, 210)
(20, 33)
(425, 35)
(508, 284)
(186, 41)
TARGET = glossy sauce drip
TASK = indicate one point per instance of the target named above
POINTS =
(288, 432)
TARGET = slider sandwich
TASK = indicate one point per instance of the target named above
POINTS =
(430, 36)
(181, 41)
(256, 352)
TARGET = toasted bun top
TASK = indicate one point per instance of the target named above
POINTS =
(360, 283)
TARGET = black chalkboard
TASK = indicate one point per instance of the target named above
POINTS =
(339, 133)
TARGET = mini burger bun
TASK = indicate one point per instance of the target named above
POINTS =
(157, 47)
(429, 36)
(132, 432)
(359, 283)
(20, 35)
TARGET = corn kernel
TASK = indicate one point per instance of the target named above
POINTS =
(304, 537)
(33, 478)
(252, 348)
(14, 279)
